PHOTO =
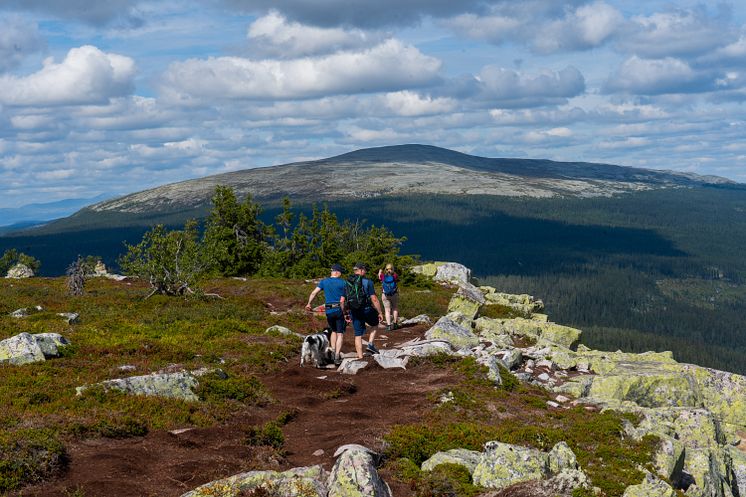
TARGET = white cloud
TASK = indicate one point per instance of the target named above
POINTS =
(273, 36)
(86, 76)
(677, 33)
(587, 27)
(390, 65)
(409, 103)
(506, 87)
(656, 76)
(18, 39)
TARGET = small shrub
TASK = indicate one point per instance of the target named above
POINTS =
(269, 434)
(498, 311)
(29, 456)
(447, 479)
(213, 388)
(121, 427)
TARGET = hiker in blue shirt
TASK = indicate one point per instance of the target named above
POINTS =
(334, 304)
(364, 308)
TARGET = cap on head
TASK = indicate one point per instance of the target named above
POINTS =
(362, 266)
(338, 268)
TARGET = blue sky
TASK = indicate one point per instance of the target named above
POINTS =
(118, 96)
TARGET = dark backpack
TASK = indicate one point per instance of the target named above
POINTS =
(389, 285)
(357, 298)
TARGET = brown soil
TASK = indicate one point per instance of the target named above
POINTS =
(332, 410)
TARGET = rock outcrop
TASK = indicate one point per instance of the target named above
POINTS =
(25, 348)
(445, 272)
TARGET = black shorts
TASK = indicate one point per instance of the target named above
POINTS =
(336, 320)
(361, 317)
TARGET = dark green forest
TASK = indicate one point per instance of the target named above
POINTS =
(656, 270)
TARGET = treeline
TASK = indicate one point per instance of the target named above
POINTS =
(236, 242)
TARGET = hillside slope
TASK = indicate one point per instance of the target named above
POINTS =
(384, 171)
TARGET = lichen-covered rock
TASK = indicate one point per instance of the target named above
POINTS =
(650, 487)
(178, 385)
(646, 385)
(296, 482)
(522, 303)
(561, 457)
(20, 349)
(25, 348)
(453, 272)
(561, 335)
(723, 393)
(668, 458)
(447, 328)
(738, 468)
(467, 300)
(463, 457)
(493, 368)
(502, 465)
(551, 334)
(492, 330)
(509, 358)
(19, 313)
(20, 271)
(70, 317)
(354, 475)
(282, 331)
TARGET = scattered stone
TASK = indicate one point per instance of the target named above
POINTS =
(282, 331)
(561, 398)
(127, 368)
(543, 377)
(446, 397)
(503, 465)
(562, 457)
(650, 487)
(546, 363)
(179, 431)
(319, 453)
(552, 403)
(19, 313)
(25, 348)
(178, 385)
(467, 300)
(20, 271)
(423, 348)
(351, 366)
(510, 358)
(70, 317)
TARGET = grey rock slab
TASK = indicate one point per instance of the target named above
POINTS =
(510, 358)
(296, 482)
(425, 348)
(453, 272)
(388, 362)
(20, 271)
(446, 328)
(19, 313)
(561, 457)
(352, 366)
(50, 343)
(503, 465)
(70, 317)
(420, 319)
(282, 331)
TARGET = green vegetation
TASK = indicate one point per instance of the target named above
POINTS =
(11, 257)
(514, 414)
(29, 455)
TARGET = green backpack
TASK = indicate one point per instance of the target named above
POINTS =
(356, 296)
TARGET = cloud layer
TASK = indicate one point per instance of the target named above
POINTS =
(118, 96)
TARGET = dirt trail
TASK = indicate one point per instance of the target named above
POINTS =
(332, 411)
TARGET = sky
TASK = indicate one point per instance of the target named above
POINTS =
(118, 96)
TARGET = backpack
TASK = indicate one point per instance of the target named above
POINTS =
(357, 298)
(389, 285)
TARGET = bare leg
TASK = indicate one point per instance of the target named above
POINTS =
(387, 312)
(359, 347)
(372, 336)
(338, 343)
(396, 315)
(333, 340)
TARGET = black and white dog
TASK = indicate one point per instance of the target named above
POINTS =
(317, 350)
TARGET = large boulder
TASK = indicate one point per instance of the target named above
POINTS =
(296, 482)
(492, 330)
(424, 348)
(178, 385)
(445, 272)
(20, 271)
(448, 328)
(546, 333)
(25, 348)
(463, 457)
(354, 474)
(738, 468)
(467, 300)
(723, 393)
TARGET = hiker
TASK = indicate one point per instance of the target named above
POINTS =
(334, 304)
(364, 308)
(390, 295)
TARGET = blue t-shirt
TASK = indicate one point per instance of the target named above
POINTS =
(334, 289)
(368, 287)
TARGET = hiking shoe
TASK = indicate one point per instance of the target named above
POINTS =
(338, 360)
(372, 349)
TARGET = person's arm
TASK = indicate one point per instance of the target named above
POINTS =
(380, 274)
(376, 305)
(311, 297)
(345, 312)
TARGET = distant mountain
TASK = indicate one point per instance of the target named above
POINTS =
(30, 214)
(383, 171)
